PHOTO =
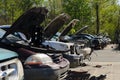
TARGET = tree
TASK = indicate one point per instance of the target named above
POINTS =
(11, 9)
(108, 14)
(79, 9)
(109, 17)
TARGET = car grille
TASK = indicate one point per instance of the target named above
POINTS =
(63, 75)
(64, 72)
(56, 57)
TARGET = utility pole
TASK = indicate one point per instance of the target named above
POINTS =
(97, 19)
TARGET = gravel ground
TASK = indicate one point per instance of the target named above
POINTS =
(105, 62)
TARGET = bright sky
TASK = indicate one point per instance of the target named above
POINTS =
(118, 1)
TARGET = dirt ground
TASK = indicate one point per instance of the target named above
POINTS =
(103, 62)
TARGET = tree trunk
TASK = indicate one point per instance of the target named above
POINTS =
(97, 19)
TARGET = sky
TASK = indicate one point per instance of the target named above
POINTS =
(119, 2)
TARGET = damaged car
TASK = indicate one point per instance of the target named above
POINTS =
(74, 55)
(56, 45)
(94, 42)
(57, 69)
(38, 62)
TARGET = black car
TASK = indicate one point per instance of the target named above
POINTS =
(89, 40)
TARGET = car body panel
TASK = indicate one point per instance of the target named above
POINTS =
(81, 30)
(56, 45)
(10, 66)
(55, 25)
(69, 27)
(34, 16)
(55, 71)
(7, 54)
(24, 53)
(21, 25)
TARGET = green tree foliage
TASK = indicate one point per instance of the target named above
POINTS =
(79, 9)
(54, 6)
(108, 12)
(84, 10)
(10, 10)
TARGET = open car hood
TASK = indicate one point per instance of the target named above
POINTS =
(69, 27)
(54, 26)
(81, 30)
(27, 21)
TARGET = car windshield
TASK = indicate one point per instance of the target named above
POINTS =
(10, 37)
(89, 37)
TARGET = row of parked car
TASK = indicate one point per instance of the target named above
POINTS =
(95, 42)
(89, 40)
(27, 51)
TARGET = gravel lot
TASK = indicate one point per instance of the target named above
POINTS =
(108, 61)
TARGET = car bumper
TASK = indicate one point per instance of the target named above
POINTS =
(47, 73)
(64, 67)
(73, 59)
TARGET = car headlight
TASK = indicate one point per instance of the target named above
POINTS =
(38, 59)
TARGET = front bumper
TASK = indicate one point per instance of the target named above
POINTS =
(47, 73)
(73, 59)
